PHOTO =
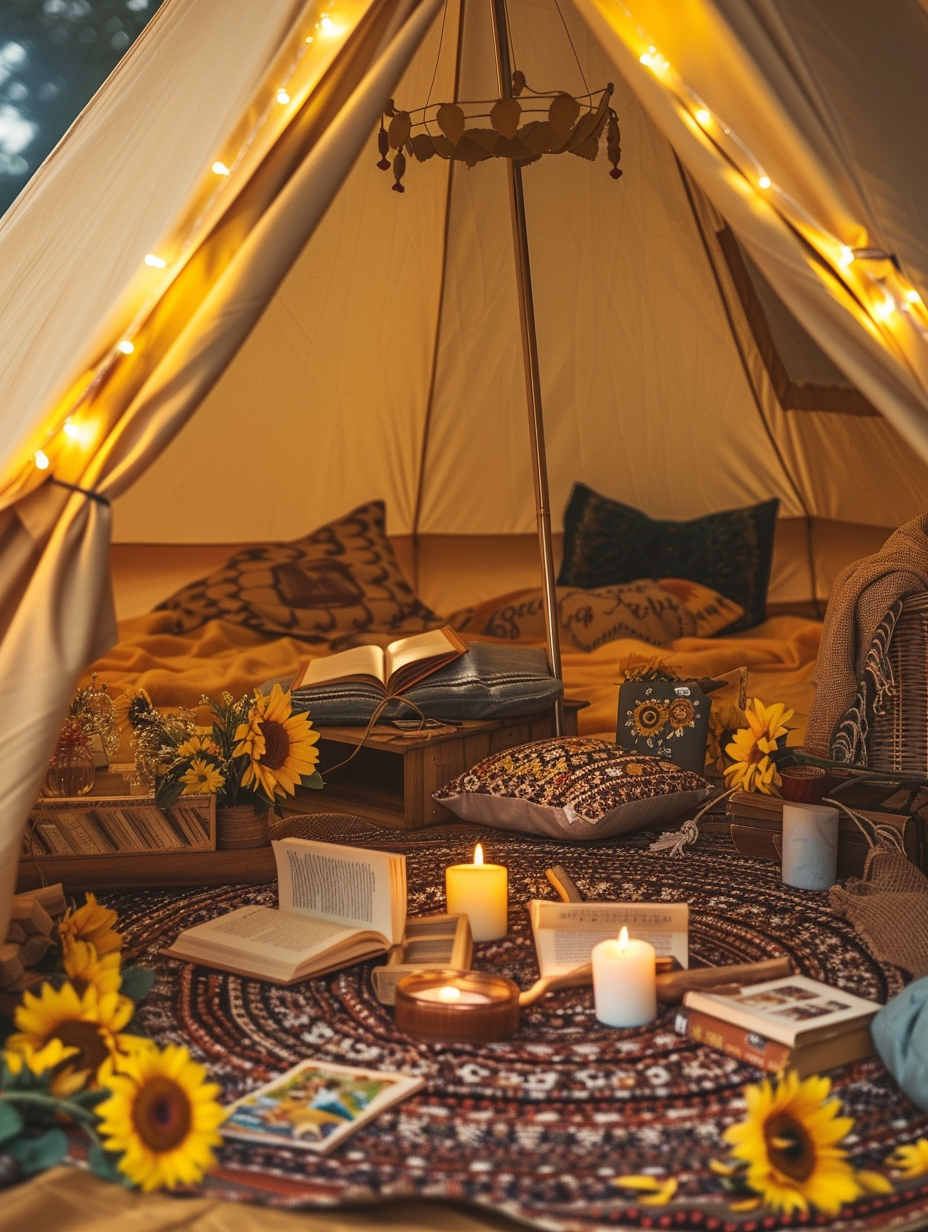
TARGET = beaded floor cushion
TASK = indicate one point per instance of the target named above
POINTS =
(540, 1125)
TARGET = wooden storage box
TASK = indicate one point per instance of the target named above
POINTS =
(392, 778)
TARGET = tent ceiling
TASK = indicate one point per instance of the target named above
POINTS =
(388, 349)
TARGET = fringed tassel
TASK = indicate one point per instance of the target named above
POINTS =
(674, 842)
(613, 148)
(383, 145)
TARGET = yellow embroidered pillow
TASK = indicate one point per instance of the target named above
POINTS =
(654, 612)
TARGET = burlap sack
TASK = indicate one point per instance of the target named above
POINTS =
(889, 908)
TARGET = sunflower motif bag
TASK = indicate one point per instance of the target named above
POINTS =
(667, 719)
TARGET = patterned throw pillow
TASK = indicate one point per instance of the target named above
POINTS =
(655, 612)
(606, 543)
(574, 787)
(342, 579)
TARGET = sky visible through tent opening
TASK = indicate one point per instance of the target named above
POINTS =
(54, 54)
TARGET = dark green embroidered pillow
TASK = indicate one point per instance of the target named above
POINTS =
(607, 543)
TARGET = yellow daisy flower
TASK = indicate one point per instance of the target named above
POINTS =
(40, 1060)
(85, 968)
(750, 750)
(162, 1118)
(911, 1159)
(280, 744)
(91, 923)
(789, 1141)
(129, 705)
(90, 1024)
(197, 744)
(201, 778)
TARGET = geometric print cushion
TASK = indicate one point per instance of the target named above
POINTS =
(342, 579)
(573, 787)
(649, 611)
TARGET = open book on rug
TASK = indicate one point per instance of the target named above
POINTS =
(401, 665)
(338, 906)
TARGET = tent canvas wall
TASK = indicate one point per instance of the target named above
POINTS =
(382, 358)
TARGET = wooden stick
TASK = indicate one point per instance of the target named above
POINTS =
(564, 885)
(673, 984)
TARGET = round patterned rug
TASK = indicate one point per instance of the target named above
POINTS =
(540, 1125)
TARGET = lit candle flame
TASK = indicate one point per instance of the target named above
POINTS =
(623, 938)
(449, 993)
(478, 854)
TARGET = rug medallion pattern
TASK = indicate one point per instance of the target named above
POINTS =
(537, 1126)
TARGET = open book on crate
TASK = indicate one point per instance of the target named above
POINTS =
(338, 905)
(401, 665)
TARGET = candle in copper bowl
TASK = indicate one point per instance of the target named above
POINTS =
(471, 1006)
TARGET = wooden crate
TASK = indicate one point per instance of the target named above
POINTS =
(391, 779)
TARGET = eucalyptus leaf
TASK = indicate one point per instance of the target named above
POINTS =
(451, 121)
(103, 1164)
(11, 1123)
(37, 1154)
(136, 983)
(169, 790)
(313, 780)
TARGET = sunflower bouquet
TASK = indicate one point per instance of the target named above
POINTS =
(255, 752)
(73, 1062)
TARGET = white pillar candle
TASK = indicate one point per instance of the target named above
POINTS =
(624, 982)
(481, 892)
(810, 846)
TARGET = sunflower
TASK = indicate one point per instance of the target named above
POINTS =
(162, 1118)
(198, 744)
(789, 1143)
(90, 1024)
(722, 720)
(754, 769)
(87, 969)
(202, 778)
(911, 1160)
(91, 923)
(648, 718)
(680, 713)
(51, 1060)
(132, 707)
(279, 744)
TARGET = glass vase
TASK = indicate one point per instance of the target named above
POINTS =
(71, 771)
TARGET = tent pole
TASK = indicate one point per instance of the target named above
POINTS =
(530, 359)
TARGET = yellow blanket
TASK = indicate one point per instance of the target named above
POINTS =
(177, 670)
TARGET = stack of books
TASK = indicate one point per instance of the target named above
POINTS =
(790, 1023)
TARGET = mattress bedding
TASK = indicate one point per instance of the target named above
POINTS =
(177, 669)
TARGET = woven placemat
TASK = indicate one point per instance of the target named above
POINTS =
(536, 1126)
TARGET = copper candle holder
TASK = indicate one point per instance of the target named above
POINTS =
(466, 1006)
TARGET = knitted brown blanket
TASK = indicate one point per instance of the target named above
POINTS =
(862, 595)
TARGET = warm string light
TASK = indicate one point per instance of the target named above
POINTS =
(220, 169)
(71, 429)
(40, 457)
(155, 262)
(126, 347)
(696, 110)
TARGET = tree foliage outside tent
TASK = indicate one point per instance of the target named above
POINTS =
(54, 55)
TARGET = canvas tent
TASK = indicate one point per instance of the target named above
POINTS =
(765, 247)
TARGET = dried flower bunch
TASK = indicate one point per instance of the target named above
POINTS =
(256, 751)
(92, 713)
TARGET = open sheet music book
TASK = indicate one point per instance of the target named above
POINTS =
(338, 905)
(565, 933)
(403, 664)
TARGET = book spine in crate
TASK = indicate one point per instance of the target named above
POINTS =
(744, 1045)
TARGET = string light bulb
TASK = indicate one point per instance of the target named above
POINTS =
(283, 97)
(40, 457)
(220, 169)
(847, 256)
(126, 347)
(71, 429)
(326, 23)
(309, 38)
(703, 116)
(913, 297)
(763, 181)
(154, 261)
(885, 309)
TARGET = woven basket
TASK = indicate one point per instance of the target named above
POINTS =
(897, 736)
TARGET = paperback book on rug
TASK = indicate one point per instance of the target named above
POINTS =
(337, 906)
(316, 1105)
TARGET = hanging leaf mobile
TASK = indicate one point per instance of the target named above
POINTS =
(522, 128)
